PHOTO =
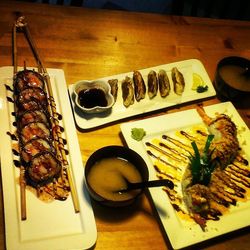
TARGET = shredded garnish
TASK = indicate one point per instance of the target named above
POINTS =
(202, 165)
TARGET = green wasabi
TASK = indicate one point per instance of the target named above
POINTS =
(138, 133)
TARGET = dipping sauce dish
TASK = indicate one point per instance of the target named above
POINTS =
(107, 171)
(93, 96)
(232, 80)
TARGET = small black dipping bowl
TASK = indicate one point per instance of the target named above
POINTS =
(238, 93)
(118, 152)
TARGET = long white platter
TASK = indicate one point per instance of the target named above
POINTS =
(118, 112)
(183, 233)
(53, 225)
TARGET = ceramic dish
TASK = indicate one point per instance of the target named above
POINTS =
(120, 154)
(93, 96)
(53, 225)
(118, 112)
(182, 232)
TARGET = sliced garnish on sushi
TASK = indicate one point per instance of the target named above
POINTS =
(202, 165)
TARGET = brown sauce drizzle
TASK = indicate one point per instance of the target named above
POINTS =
(59, 116)
(162, 151)
(8, 87)
(12, 136)
(165, 162)
(15, 152)
(17, 163)
(227, 186)
(9, 99)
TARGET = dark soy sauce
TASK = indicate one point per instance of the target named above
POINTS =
(89, 98)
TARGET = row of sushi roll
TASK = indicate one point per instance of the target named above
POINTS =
(134, 88)
(34, 129)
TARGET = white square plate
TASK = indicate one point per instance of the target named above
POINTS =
(53, 225)
(118, 111)
(183, 233)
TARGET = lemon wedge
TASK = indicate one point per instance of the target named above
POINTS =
(197, 81)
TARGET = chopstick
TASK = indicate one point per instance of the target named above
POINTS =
(22, 180)
(56, 132)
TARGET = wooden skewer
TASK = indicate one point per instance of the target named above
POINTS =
(22, 180)
(55, 124)
(23, 193)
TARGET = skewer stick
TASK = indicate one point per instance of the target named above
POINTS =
(22, 180)
(23, 193)
(14, 46)
(55, 124)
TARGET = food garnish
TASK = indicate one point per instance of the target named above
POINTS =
(202, 165)
(201, 89)
(198, 84)
(138, 133)
(209, 170)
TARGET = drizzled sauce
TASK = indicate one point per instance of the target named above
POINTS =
(227, 186)
(89, 98)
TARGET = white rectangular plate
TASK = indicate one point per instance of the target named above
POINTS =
(118, 112)
(183, 233)
(53, 225)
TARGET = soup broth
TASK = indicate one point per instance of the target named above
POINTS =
(109, 175)
(236, 77)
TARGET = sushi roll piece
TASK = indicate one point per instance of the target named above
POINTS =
(28, 78)
(32, 116)
(34, 130)
(34, 147)
(43, 168)
(30, 94)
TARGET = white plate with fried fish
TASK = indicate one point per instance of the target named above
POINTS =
(180, 128)
(122, 110)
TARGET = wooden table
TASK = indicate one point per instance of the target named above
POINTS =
(89, 44)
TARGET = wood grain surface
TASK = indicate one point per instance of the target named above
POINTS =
(92, 43)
